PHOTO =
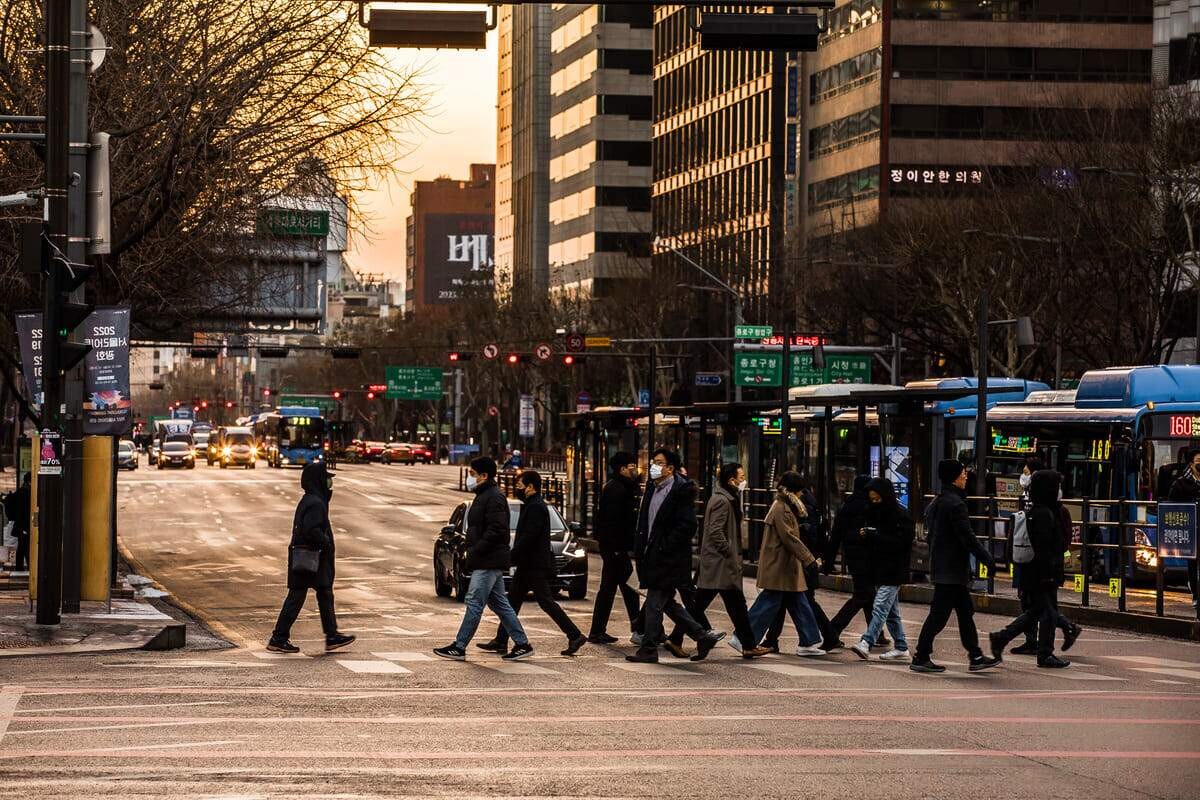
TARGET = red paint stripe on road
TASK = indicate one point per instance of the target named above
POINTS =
(555, 756)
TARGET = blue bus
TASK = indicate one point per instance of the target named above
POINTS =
(1111, 440)
(291, 435)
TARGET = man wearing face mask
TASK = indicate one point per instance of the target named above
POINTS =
(488, 557)
(310, 530)
(1186, 489)
(616, 534)
(666, 526)
(534, 562)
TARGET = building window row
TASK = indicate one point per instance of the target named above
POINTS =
(573, 118)
(852, 129)
(728, 130)
(635, 62)
(579, 248)
(581, 25)
(1014, 122)
(1140, 12)
(573, 206)
(1021, 64)
(845, 75)
(714, 201)
(851, 17)
(857, 185)
(636, 153)
(634, 106)
(711, 75)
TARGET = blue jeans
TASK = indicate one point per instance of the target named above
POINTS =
(487, 587)
(766, 606)
(887, 610)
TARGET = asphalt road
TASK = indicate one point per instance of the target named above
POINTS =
(385, 718)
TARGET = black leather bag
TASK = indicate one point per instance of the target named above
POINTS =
(306, 560)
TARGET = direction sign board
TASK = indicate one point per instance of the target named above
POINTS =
(1177, 530)
(414, 383)
(491, 351)
(758, 369)
(643, 397)
(597, 342)
(838, 369)
(543, 352)
(708, 378)
(752, 331)
(583, 402)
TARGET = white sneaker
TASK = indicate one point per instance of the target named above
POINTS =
(862, 649)
(812, 651)
(733, 642)
(895, 655)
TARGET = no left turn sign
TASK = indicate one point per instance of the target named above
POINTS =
(491, 351)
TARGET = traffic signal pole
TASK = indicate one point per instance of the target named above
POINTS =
(50, 487)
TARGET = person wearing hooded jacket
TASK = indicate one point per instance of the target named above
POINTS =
(310, 529)
(888, 532)
(1041, 577)
(952, 542)
(846, 535)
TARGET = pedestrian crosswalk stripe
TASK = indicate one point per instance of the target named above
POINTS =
(516, 668)
(404, 656)
(652, 669)
(1150, 661)
(267, 655)
(1178, 673)
(375, 667)
(796, 671)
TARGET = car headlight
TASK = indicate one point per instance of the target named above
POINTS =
(1145, 555)
(227, 451)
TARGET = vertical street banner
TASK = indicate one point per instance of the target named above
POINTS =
(107, 405)
(29, 334)
(458, 257)
(528, 423)
(1177, 530)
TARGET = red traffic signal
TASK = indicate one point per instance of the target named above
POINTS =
(195, 408)
(370, 395)
(337, 394)
(229, 404)
(568, 360)
(204, 404)
(513, 358)
(454, 356)
(266, 392)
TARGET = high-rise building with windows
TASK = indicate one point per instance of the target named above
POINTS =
(1177, 43)
(600, 96)
(523, 151)
(908, 97)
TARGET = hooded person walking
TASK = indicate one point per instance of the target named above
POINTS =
(888, 532)
(310, 563)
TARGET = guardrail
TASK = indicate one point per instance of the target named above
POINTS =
(554, 486)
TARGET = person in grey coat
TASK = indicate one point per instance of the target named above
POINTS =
(719, 573)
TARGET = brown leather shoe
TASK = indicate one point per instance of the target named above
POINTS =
(675, 650)
(756, 652)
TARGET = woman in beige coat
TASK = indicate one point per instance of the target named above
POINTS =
(781, 564)
(720, 570)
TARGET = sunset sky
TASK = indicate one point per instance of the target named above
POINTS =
(460, 129)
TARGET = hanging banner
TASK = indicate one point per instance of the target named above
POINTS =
(29, 333)
(107, 405)
(528, 423)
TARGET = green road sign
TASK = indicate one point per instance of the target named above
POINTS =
(414, 383)
(838, 369)
(293, 222)
(752, 331)
(327, 404)
(758, 369)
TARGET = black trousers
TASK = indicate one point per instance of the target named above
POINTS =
(1040, 614)
(735, 607)
(536, 581)
(291, 609)
(861, 600)
(1031, 629)
(947, 598)
(658, 603)
(615, 572)
(22, 562)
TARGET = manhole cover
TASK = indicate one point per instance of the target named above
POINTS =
(9, 643)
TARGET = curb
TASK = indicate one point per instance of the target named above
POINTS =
(205, 618)
(922, 594)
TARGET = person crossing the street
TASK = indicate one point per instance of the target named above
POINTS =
(615, 531)
(534, 562)
(488, 558)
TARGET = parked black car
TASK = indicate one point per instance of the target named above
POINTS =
(570, 559)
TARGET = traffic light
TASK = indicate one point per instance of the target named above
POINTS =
(195, 409)
(402, 28)
(71, 315)
(266, 392)
(337, 394)
(370, 395)
(229, 404)
(204, 404)
(513, 359)
(571, 360)
(454, 356)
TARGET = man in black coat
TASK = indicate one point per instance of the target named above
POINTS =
(951, 545)
(1186, 489)
(488, 558)
(534, 563)
(847, 536)
(310, 530)
(666, 528)
(616, 534)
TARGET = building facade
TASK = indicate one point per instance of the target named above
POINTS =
(449, 240)
(522, 188)
(600, 100)
(720, 153)
(1177, 44)
(908, 97)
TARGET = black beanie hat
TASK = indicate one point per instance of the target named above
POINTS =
(949, 469)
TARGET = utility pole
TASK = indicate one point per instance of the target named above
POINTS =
(981, 429)
(785, 414)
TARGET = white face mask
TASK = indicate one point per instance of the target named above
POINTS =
(472, 482)
(656, 471)
(743, 486)
(1060, 494)
(1025, 480)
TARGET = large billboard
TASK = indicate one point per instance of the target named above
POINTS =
(458, 257)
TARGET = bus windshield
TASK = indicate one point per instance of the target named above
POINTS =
(301, 432)
(1084, 453)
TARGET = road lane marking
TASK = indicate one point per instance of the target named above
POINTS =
(375, 667)
(795, 671)
(406, 657)
(10, 696)
(120, 707)
(1176, 673)
(653, 669)
(1155, 662)
(267, 655)
(171, 724)
(517, 668)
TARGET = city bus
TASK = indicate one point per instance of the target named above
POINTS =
(291, 435)
(1108, 440)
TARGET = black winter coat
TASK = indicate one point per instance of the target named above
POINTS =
(1045, 534)
(617, 517)
(311, 528)
(1185, 489)
(846, 524)
(890, 534)
(487, 529)
(951, 540)
(17, 508)
(664, 552)
(531, 548)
